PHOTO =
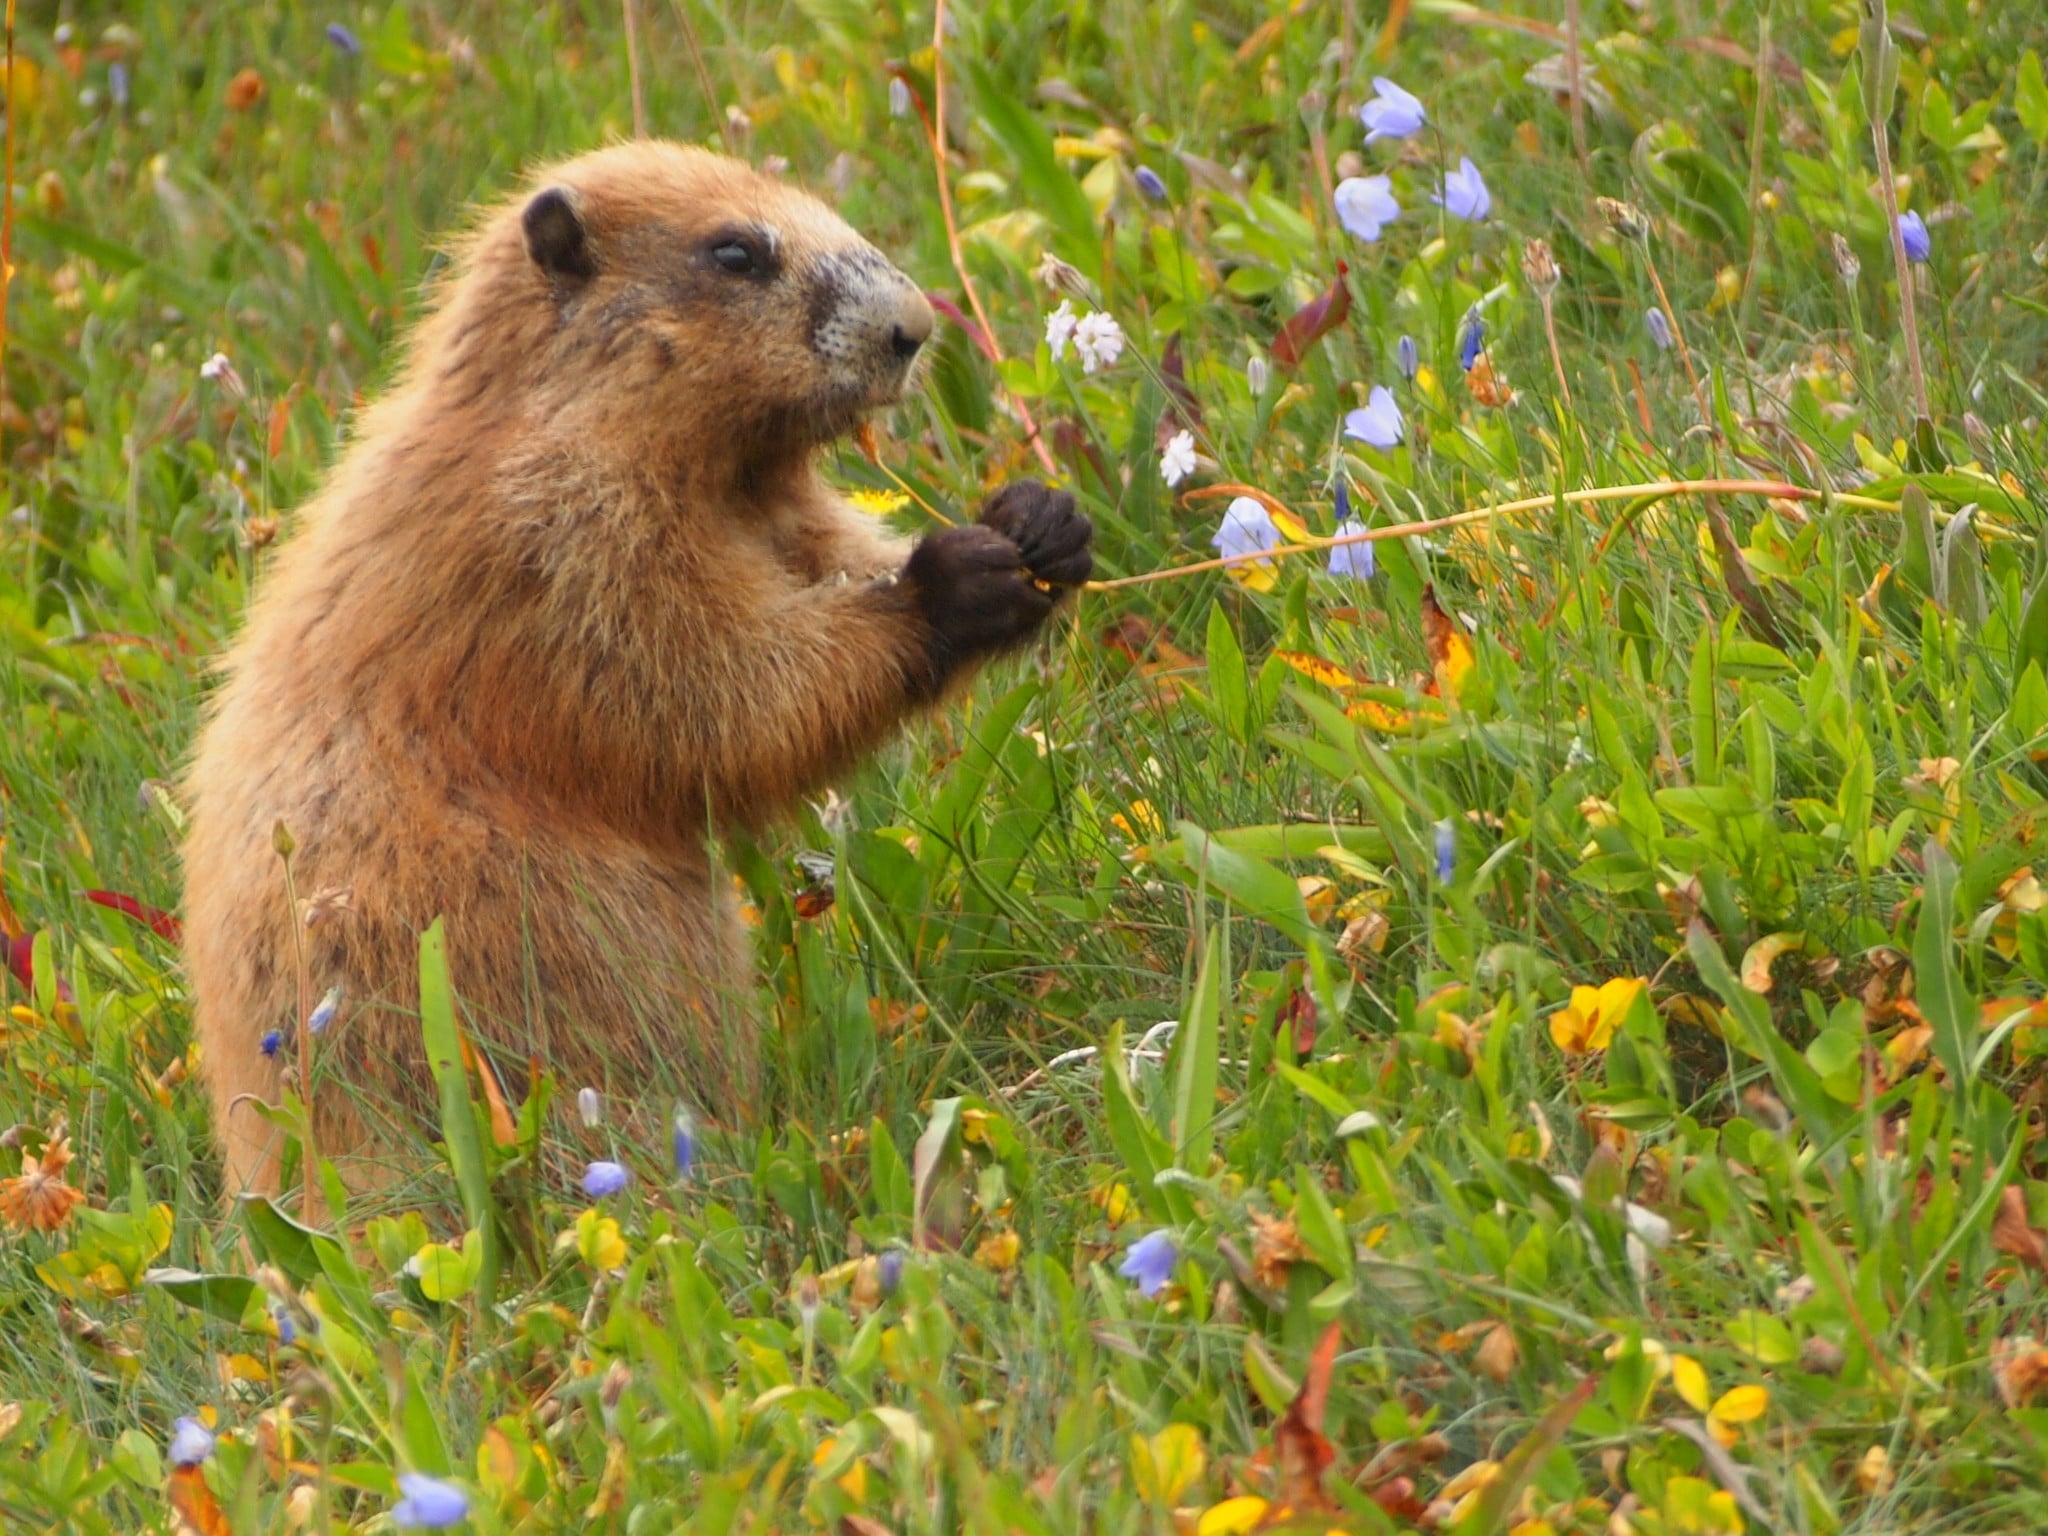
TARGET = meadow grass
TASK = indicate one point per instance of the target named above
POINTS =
(1606, 959)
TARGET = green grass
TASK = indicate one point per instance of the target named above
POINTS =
(1803, 806)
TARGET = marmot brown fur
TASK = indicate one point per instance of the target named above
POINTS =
(573, 601)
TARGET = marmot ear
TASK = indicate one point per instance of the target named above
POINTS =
(555, 236)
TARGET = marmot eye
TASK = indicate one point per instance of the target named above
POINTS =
(735, 257)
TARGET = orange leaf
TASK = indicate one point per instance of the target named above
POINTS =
(1328, 673)
(2013, 1234)
(1303, 1452)
(1758, 959)
(194, 1504)
(1450, 648)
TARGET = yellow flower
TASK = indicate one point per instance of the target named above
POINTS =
(1689, 1378)
(1166, 1465)
(1233, 1517)
(1738, 1405)
(878, 503)
(1588, 1021)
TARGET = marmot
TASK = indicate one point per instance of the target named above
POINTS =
(573, 601)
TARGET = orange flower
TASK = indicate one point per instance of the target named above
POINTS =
(39, 1199)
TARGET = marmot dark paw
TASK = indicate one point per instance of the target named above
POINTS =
(975, 593)
(1052, 537)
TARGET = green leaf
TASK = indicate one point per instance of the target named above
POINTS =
(1045, 184)
(1196, 1046)
(1938, 984)
(1255, 887)
(458, 1113)
(223, 1296)
(1229, 682)
(937, 1153)
(2030, 97)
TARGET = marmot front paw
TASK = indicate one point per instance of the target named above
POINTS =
(1049, 533)
(976, 595)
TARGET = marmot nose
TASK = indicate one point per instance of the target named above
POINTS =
(912, 325)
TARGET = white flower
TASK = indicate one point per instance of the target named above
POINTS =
(1178, 461)
(1256, 373)
(1098, 341)
(1366, 203)
(217, 369)
(1059, 329)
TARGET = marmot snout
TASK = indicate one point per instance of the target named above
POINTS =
(574, 601)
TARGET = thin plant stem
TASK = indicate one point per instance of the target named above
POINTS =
(1564, 389)
(1888, 192)
(935, 130)
(1765, 70)
(630, 8)
(1575, 86)
(703, 73)
(1598, 493)
(1677, 331)
(281, 839)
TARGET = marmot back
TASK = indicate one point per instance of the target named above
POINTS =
(574, 600)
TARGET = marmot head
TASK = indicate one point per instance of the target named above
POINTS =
(679, 299)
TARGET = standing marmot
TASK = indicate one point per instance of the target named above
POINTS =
(575, 599)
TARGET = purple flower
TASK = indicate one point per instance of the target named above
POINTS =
(287, 1330)
(1365, 204)
(1464, 195)
(1353, 559)
(889, 1270)
(117, 84)
(1379, 423)
(343, 39)
(1392, 113)
(1149, 183)
(323, 1014)
(602, 1178)
(191, 1442)
(429, 1504)
(1658, 327)
(272, 1042)
(685, 1143)
(1406, 356)
(1247, 529)
(1446, 850)
(1150, 1262)
(899, 96)
(1471, 340)
(1913, 231)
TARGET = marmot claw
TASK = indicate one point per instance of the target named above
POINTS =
(1051, 537)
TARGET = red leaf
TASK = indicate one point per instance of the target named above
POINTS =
(974, 331)
(1173, 369)
(1312, 322)
(21, 949)
(159, 922)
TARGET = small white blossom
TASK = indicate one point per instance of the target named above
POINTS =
(1059, 329)
(1098, 341)
(1256, 374)
(217, 369)
(1178, 461)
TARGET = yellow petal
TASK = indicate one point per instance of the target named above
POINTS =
(1233, 1517)
(1738, 1405)
(1689, 1380)
(1166, 1464)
